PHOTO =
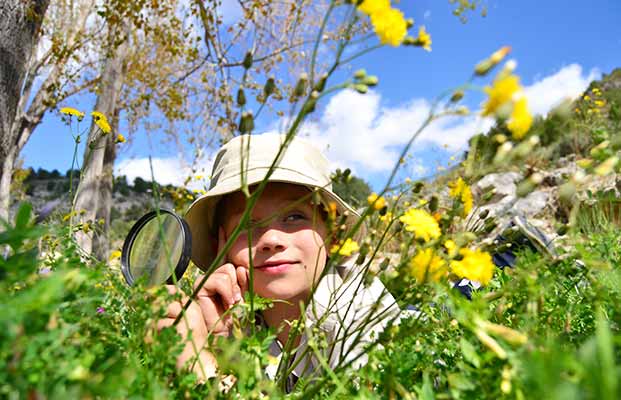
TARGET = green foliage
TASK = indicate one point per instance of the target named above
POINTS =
(350, 188)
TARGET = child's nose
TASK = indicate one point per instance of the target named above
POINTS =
(271, 240)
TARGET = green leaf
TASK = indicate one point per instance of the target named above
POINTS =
(426, 392)
(23, 215)
(469, 353)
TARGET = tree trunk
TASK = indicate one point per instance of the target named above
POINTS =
(19, 30)
(101, 242)
(94, 181)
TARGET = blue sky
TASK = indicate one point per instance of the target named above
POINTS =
(559, 47)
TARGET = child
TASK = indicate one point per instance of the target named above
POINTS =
(289, 248)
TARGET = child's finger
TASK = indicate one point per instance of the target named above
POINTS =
(165, 323)
(242, 278)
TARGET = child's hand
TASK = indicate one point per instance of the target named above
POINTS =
(195, 345)
(224, 288)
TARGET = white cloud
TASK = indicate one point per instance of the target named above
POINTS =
(568, 82)
(359, 132)
(170, 170)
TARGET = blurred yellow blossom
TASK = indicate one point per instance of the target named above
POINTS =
(421, 223)
(116, 254)
(345, 248)
(426, 266)
(120, 138)
(521, 119)
(375, 201)
(72, 111)
(459, 189)
(386, 217)
(424, 39)
(500, 93)
(371, 7)
(101, 121)
(587, 97)
(390, 26)
(599, 103)
(500, 54)
(475, 265)
(451, 247)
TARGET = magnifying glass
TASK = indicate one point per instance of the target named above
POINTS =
(157, 249)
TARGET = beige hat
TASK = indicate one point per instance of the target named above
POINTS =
(301, 164)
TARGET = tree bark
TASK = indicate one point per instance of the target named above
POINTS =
(101, 241)
(92, 193)
(20, 22)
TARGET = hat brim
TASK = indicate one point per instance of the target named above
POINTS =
(201, 214)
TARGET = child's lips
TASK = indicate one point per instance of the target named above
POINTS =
(275, 267)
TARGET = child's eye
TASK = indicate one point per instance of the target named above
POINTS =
(294, 217)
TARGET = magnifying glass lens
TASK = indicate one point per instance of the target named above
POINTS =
(155, 249)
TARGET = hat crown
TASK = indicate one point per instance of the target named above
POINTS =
(300, 163)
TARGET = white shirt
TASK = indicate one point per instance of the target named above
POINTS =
(348, 314)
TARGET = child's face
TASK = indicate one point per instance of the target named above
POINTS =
(288, 251)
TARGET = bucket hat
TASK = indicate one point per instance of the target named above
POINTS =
(302, 164)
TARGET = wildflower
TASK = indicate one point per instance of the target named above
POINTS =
(483, 67)
(521, 119)
(72, 111)
(100, 310)
(120, 138)
(421, 223)
(451, 247)
(371, 7)
(199, 177)
(501, 93)
(101, 121)
(475, 265)
(331, 209)
(114, 255)
(460, 190)
(424, 39)
(390, 26)
(587, 97)
(345, 248)
(375, 201)
(86, 227)
(500, 54)
(386, 217)
(426, 266)
(599, 103)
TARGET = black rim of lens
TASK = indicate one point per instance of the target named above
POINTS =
(186, 251)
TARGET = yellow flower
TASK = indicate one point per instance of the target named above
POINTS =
(424, 39)
(199, 177)
(451, 247)
(116, 254)
(101, 121)
(390, 26)
(599, 103)
(501, 93)
(475, 265)
(375, 201)
(72, 111)
(120, 138)
(421, 223)
(521, 119)
(386, 217)
(459, 189)
(500, 54)
(371, 7)
(426, 266)
(587, 97)
(345, 248)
